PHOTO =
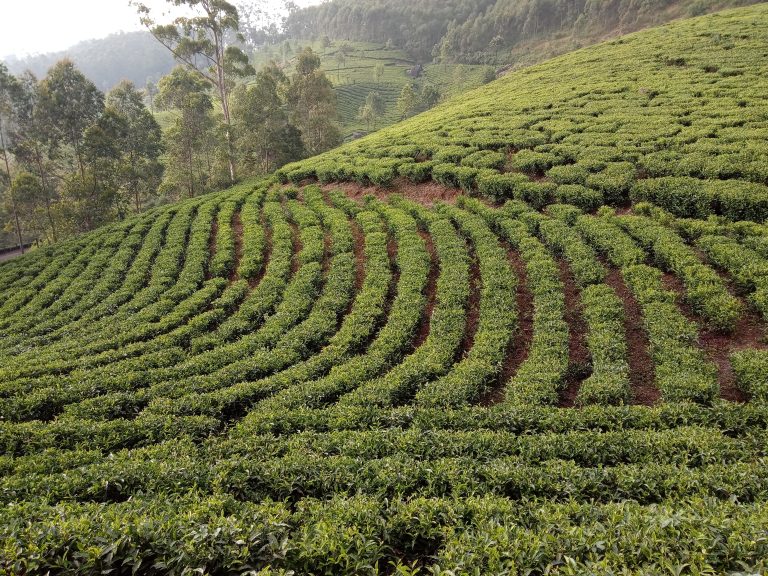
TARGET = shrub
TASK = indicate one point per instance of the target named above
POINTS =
(679, 195)
(569, 174)
(455, 176)
(416, 172)
(485, 159)
(537, 194)
(532, 162)
(500, 186)
(751, 369)
(452, 154)
(614, 181)
(584, 198)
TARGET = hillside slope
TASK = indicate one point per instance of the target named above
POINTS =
(684, 100)
(498, 32)
(354, 77)
(352, 367)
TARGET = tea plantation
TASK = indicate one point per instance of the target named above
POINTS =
(523, 333)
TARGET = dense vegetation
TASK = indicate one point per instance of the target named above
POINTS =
(74, 159)
(502, 32)
(361, 69)
(558, 369)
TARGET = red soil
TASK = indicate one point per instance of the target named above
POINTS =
(748, 333)
(641, 375)
(253, 282)
(431, 290)
(427, 193)
(237, 229)
(473, 304)
(518, 348)
(578, 352)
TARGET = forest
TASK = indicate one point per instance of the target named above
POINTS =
(75, 158)
(484, 31)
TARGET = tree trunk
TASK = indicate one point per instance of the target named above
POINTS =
(190, 170)
(222, 86)
(43, 179)
(13, 196)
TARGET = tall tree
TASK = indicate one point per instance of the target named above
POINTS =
(199, 43)
(30, 200)
(139, 144)
(186, 93)
(266, 139)
(406, 103)
(35, 144)
(378, 72)
(312, 104)
(151, 91)
(71, 103)
(9, 94)
(372, 109)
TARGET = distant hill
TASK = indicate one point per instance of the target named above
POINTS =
(134, 56)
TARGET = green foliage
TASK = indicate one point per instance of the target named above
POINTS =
(751, 369)
(292, 377)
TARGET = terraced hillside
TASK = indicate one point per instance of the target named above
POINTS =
(523, 333)
(354, 79)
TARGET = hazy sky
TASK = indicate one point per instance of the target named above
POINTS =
(39, 26)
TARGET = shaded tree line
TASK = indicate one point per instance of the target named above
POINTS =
(73, 158)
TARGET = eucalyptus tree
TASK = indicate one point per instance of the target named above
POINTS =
(140, 144)
(266, 138)
(71, 103)
(35, 144)
(9, 93)
(186, 93)
(312, 104)
(200, 43)
(372, 109)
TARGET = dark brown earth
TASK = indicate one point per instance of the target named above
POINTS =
(253, 282)
(473, 304)
(237, 230)
(212, 247)
(359, 250)
(578, 352)
(518, 348)
(641, 375)
(748, 333)
(431, 290)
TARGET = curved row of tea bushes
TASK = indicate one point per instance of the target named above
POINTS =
(704, 289)
(392, 340)
(682, 371)
(496, 323)
(357, 328)
(747, 267)
(433, 358)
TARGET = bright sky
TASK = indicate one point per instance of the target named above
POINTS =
(40, 26)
